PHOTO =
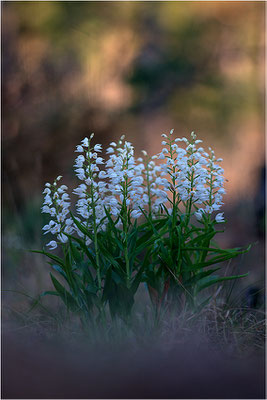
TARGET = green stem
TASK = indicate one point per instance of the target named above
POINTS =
(207, 223)
(96, 252)
(125, 230)
(127, 261)
(92, 192)
(174, 214)
(148, 190)
(189, 205)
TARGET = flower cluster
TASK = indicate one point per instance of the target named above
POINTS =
(153, 195)
(125, 180)
(56, 203)
(92, 191)
(126, 187)
(195, 177)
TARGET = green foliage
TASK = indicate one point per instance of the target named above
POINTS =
(174, 263)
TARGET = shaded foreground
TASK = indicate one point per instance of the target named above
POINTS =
(34, 367)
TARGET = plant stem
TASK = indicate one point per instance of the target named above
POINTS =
(96, 241)
(125, 230)
(174, 214)
(148, 190)
(96, 251)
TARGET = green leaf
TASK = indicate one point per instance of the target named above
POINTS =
(87, 251)
(91, 289)
(205, 236)
(75, 253)
(60, 271)
(199, 276)
(217, 280)
(144, 243)
(49, 292)
(86, 273)
(137, 279)
(215, 250)
(64, 294)
(118, 277)
(215, 260)
(82, 228)
(114, 230)
(109, 257)
(57, 259)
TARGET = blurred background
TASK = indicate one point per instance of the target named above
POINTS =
(134, 68)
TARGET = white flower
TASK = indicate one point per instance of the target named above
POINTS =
(80, 190)
(182, 140)
(47, 200)
(170, 161)
(48, 227)
(62, 189)
(52, 245)
(46, 209)
(136, 214)
(85, 142)
(79, 149)
(113, 201)
(62, 238)
(97, 147)
(222, 191)
(68, 229)
(55, 229)
(102, 174)
(79, 161)
(88, 181)
(199, 214)
(99, 160)
(80, 173)
(219, 218)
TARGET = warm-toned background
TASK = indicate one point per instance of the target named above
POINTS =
(139, 68)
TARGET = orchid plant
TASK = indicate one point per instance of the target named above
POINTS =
(150, 219)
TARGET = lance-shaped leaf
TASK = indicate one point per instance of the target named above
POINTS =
(64, 294)
(217, 280)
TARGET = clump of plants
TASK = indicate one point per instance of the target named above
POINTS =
(148, 220)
